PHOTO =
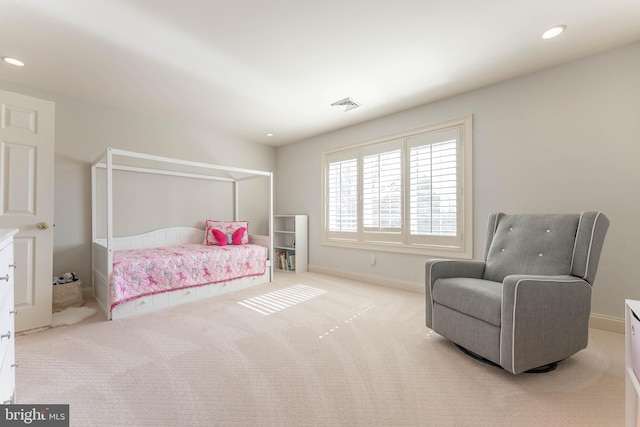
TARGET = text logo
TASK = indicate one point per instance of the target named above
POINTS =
(35, 415)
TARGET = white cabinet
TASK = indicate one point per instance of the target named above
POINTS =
(7, 319)
(632, 384)
(290, 245)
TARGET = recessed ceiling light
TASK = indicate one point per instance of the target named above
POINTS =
(13, 61)
(554, 31)
(269, 134)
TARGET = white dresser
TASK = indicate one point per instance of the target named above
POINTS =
(7, 317)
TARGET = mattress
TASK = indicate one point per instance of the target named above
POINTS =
(149, 271)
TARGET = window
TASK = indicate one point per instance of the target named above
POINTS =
(407, 193)
(343, 195)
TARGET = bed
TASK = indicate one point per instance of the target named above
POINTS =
(144, 272)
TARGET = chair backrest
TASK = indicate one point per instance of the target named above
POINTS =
(545, 244)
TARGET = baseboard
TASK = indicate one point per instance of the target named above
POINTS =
(606, 323)
(375, 280)
(596, 321)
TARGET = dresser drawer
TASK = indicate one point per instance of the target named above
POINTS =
(6, 324)
(7, 355)
(6, 257)
(7, 320)
(7, 378)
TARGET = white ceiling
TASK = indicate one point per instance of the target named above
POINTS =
(247, 67)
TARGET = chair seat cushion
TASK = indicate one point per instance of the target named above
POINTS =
(475, 297)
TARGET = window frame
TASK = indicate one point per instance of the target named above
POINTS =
(404, 242)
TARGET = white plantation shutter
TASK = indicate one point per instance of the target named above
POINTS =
(343, 195)
(382, 187)
(411, 193)
(433, 191)
(434, 184)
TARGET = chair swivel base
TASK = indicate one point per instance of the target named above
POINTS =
(539, 370)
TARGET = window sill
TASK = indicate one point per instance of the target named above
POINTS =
(428, 251)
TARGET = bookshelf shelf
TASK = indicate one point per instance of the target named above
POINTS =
(290, 245)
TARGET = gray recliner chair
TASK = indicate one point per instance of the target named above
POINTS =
(527, 305)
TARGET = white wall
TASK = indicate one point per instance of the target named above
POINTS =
(561, 140)
(565, 139)
(84, 130)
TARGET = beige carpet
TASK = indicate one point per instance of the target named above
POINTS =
(347, 354)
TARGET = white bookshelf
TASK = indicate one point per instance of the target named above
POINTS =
(290, 238)
(632, 385)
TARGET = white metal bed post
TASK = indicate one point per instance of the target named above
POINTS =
(236, 217)
(270, 256)
(236, 205)
(93, 204)
(94, 231)
(109, 212)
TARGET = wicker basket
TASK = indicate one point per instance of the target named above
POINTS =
(67, 295)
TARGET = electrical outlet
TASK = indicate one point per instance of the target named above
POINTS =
(372, 259)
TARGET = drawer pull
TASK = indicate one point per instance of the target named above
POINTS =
(14, 265)
(15, 365)
(7, 335)
(5, 277)
(14, 312)
(9, 402)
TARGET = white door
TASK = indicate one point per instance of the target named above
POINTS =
(26, 201)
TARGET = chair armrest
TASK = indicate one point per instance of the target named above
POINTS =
(544, 319)
(445, 268)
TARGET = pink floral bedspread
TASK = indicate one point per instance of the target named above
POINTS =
(142, 272)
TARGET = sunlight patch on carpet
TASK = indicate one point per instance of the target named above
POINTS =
(275, 301)
(72, 315)
(350, 319)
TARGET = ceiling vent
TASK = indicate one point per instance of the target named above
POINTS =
(346, 104)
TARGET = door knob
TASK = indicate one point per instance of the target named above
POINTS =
(42, 225)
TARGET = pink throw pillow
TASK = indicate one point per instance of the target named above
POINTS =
(227, 228)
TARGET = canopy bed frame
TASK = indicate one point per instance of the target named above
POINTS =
(105, 243)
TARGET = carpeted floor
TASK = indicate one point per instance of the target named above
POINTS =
(345, 354)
